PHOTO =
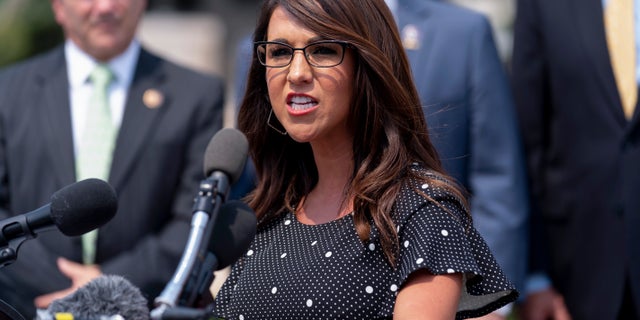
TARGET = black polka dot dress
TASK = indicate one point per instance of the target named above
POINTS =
(298, 271)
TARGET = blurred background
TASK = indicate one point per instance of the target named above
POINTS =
(202, 34)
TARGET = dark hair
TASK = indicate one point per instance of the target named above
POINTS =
(389, 128)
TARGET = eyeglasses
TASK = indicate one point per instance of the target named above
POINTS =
(321, 54)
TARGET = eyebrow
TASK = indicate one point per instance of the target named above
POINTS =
(310, 40)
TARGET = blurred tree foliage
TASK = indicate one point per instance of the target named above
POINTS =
(27, 27)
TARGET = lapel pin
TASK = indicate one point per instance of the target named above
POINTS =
(411, 37)
(152, 98)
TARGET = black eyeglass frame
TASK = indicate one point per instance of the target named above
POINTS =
(343, 44)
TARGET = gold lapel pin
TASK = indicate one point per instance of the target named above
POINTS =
(411, 37)
(152, 98)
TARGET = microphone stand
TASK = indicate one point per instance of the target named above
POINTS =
(185, 313)
(183, 289)
(8, 255)
(7, 312)
(15, 225)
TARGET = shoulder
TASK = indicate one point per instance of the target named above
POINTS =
(442, 17)
(430, 193)
(39, 65)
(19, 81)
(173, 72)
(458, 15)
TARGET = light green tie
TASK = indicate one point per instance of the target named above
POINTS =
(96, 144)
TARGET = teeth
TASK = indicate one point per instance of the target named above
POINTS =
(300, 100)
(301, 103)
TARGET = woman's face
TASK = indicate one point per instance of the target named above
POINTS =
(312, 103)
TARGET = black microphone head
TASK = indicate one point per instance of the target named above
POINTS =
(227, 152)
(83, 206)
(107, 295)
(233, 232)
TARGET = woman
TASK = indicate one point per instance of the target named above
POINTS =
(356, 218)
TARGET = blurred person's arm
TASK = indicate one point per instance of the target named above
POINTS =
(497, 173)
(541, 301)
(79, 275)
(34, 269)
(530, 85)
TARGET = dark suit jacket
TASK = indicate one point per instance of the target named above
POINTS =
(156, 170)
(471, 117)
(583, 155)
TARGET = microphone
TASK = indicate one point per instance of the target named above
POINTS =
(233, 233)
(225, 157)
(106, 297)
(74, 210)
(234, 230)
(223, 164)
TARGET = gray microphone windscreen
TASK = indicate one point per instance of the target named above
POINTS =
(227, 152)
(105, 296)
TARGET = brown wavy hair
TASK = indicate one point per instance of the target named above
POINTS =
(389, 128)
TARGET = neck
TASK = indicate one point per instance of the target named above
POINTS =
(330, 198)
(334, 161)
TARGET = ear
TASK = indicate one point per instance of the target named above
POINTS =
(58, 10)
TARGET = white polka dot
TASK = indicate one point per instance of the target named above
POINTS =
(274, 290)
(394, 288)
(328, 254)
(287, 222)
(444, 232)
(241, 317)
(249, 253)
(314, 243)
(419, 261)
(450, 270)
(309, 303)
(369, 289)
(398, 229)
(283, 255)
(406, 244)
(424, 186)
(372, 246)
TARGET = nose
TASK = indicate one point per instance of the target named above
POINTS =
(299, 70)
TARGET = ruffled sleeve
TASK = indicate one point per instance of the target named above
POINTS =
(438, 235)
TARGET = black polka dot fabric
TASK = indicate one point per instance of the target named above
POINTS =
(298, 271)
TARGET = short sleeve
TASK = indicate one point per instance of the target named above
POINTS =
(436, 234)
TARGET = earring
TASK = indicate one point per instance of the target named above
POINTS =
(280, 131)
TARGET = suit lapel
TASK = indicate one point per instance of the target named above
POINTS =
(139, 118)
(56, 116)
(590, 23)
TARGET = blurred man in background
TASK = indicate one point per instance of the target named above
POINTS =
(140, 122)
(575, 78)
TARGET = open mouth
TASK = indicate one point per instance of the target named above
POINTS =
(301, 103)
